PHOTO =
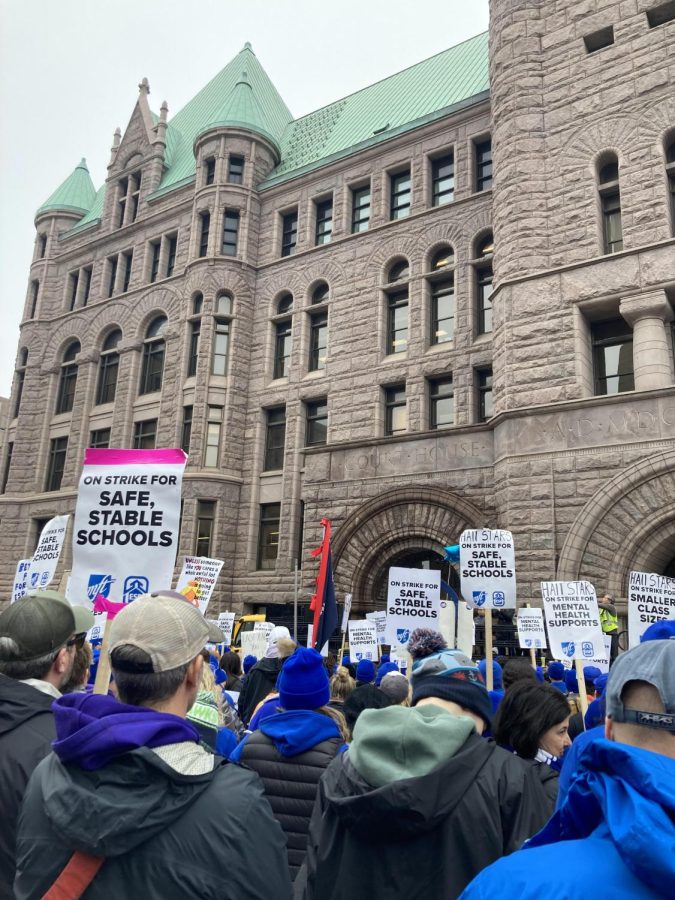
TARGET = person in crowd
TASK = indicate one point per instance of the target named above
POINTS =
(341, 686)
(365, 695)
(206, 714)
(262, 678)
(579, 721)
(271, 704)
(230, 663)
(556, 675)
(396, 687)
(420, 802)
(249, 661)
(532, 721)
(384, 669)
(39, 635)
(614, 833)
(659, 631)
(516, 669)
(497, 692)
(609, 622)
(349, 665)
(590, 674)
(291, 750)
(79, 676)
(130, 785)
(365, 672)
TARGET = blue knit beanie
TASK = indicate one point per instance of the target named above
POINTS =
(345, 660)
(249, 661)
(556, 671)
(365, 671)
(385, 669)
(303, 681)
(571, 681)
(659, 631)
(591, 673)
(385, 658)
(497, 673)
(600, 683)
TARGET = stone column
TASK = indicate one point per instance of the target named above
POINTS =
(648, 315)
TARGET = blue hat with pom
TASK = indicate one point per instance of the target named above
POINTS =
(249, 661)
(571, 681)
(556, 671)
(659, 631)
(365, 671)
(303, 681)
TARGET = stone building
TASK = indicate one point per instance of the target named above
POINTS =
(444, 301)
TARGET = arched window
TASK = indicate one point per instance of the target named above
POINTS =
(670, 174)
(284, 304)
(441, 282)
(154, 349)
(484, 250)
(195, 326)
(221, 333)
(108, 368)
(283, 336)
(197, 304)
(321, 293)
(20, 378)
(610, 204)
(399, 271)
(67, 379)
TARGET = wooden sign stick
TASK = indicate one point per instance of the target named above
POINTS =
(489, 674)
(579, 666)
(102, 682)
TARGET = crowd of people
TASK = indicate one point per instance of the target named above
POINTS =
(197, 774)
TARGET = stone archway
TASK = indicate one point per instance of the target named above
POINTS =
(629, 523)
(395, 522)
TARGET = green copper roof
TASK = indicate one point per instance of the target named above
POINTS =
(422, 92)
(75, 195)
(242, 109)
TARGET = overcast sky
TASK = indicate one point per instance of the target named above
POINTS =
(69, 71)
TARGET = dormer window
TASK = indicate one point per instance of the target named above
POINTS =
(128, 197)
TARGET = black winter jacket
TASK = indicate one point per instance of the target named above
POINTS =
(419, 837)
(165, 836)
(26, 733)
(260, 681)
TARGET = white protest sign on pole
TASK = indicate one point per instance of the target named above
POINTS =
(125, 535)
(253, 643)
(413, 601)
(399, 658)
(346, 612)
(20, 584)
(225, 622)
(197, 580)
(572, 620)
(487, 564)
(531, 633)
(651, 598)
(47, 553)
(380, 619)
(362, 639)
(265, 627)
(95, 633)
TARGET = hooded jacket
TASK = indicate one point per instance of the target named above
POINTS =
(290, 752)
(26, 733)
(260, 681)
(613, 836)
(419, 803)
(164, 834)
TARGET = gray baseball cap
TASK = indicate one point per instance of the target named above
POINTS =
(653, 662)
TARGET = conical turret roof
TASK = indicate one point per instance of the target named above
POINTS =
(75, 195)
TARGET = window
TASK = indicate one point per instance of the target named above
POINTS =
(155, 250)
(230, 232)
(213, 429)
(441, 403)
(275, 438)
(400, 195)
(34, 292)
(670, 174)
(38, 528)
(197, 304)
(320, 294)
(204, 226)
(127, 259)
(58, 448)
(604, 37)
(67, 379)
(484, 387)
(224, 304)
(135, 193)
(221, 339)
(122, 190)
(145, 434)
(20, 377)
(397, 322)
(171, 245)
(318, 341)
(483, 161)
(206, 520)
(484, 286)
(235, 170)
(186, 431)
(360, 209)
(268, 535)
(282, 348)
(400, 271)
(324, 221)
(289, 232)
(153, 356)
(442, 291)
(209, 170)
(128, 195)
(285, 304)
(112, 274)
(8, 466)
(100, 439)
(395, 410)
(42, 246)
(193, 351)
(317, 422)
(659, 15)
(108, 368)
(610, 205)
(442, 180)
(612, 356)
(86, 274)
(73, 282)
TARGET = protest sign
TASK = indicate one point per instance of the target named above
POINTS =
(197, 580)
(487, 565)
(362, 640)
(380, 620)
(125, 536)
(400, 659)
(346, 611)
(572, 620)
(531, 633)
(253, 643)
(226, 624)
(47, 553)
(95, 633)
(265, 627)
(20, 584)
(324, 649)
(651, 598)
(413, 601)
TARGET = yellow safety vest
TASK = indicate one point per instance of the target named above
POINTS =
(608, 622)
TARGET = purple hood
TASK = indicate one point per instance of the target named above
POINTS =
(92, 729)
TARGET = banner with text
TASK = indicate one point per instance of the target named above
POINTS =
(362, 640)
(413, 601)
(266, 627)
(46, 557)
(20, 584)
(531, 633)
(197, 580)
(125, 535)
(253, 643)
(572, 620)
(225, 622)
(380, 619)
(487, 564)
(651, 598)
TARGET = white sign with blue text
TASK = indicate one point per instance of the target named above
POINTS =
(487, 565)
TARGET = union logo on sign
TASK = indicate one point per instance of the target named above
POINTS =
(568, 649)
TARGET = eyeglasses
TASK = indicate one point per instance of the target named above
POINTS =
(77, 641)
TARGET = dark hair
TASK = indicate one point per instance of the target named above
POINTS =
(230, 663)
(144, 689)
(12, 666)
(527, 711)
(517, 669)
(80, 672)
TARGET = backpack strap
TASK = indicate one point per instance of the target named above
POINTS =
(78, 874)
